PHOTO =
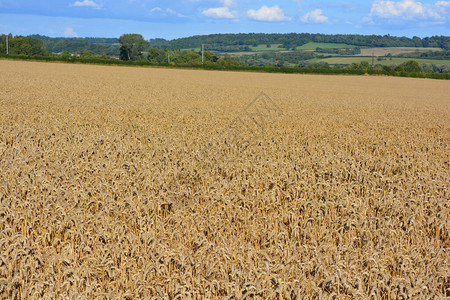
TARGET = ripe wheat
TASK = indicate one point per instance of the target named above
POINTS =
(118, 182)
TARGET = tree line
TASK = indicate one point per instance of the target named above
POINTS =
(291, 40)
(135, 48)
(22, 45)
(109, 46)
(43, 45)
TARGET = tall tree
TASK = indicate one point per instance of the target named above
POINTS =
(132, 45)
(22, 45)
(156, 56)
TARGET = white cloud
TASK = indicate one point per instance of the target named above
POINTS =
(87, 3)
(265, 13)
(314, 16)
(164, 12)
(228, 2)
(408, 10)
(219, 12)
(443, 3)
(69, 32)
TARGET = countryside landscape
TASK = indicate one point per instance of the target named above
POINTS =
(284, 53)
(224, 149)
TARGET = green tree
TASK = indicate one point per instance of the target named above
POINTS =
(132, 45)
(37, 46)
(88, 54)
(185, 57)
(65, 55)
(209, 56)
(427, 68)
(156, 56)
(411, 66)
(364, 66)
(19, 45)
(354, 66)
(388, 69)
(227, 62)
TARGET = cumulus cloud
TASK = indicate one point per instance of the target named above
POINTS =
(443, 3)
(265, 13)
(407, 10)
(219, 12)
(87, 3)
(69, 32)
(314, 16)
(164, 12)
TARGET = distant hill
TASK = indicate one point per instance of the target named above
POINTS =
(238, 42)
(91, 40)
(110, 46)
(243, 42)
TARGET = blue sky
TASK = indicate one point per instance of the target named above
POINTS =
(174, 19)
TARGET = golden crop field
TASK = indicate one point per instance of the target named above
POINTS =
(124, 182)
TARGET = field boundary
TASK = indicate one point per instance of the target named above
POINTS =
(212, 67)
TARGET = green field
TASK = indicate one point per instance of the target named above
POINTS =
(313, 46)
(394, 61)
(263, 47)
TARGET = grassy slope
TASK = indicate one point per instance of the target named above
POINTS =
(263, 47)
(313, 46)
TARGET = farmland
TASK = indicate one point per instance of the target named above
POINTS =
(126, 182)
(273, 47)
(382, 51)
(314, 46)
(307, 46)
(387, 61)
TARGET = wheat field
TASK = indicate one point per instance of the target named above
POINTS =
(125, 182)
